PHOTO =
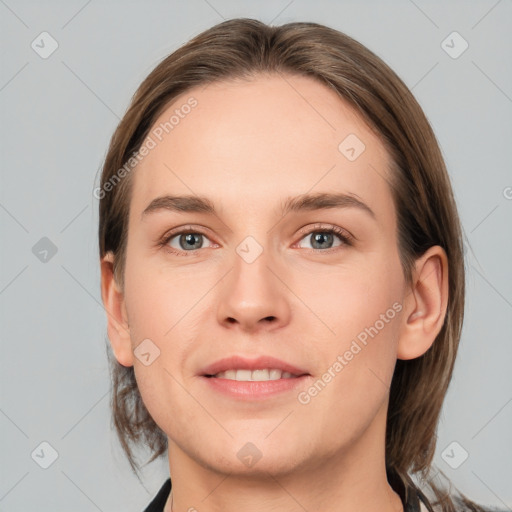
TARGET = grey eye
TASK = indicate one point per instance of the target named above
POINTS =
(187, 241)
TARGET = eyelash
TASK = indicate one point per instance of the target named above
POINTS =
(346, 238)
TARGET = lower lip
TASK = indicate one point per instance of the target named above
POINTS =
(254, 390)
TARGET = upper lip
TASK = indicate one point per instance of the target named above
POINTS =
(242, 363)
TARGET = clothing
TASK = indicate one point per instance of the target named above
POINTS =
(158, 503)
(413, 503)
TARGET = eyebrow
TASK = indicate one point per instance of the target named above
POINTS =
(304, 202)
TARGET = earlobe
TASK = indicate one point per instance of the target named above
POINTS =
(425, 304)
(117, 319)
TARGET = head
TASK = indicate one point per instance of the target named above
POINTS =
(247, 116)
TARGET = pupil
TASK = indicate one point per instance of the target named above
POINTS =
(189, 242)
(322, 238)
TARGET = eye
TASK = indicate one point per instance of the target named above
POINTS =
(186, 240)
(322, 238)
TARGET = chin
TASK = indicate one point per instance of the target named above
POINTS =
(255, 458)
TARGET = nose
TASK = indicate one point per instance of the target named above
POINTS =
(253, 296)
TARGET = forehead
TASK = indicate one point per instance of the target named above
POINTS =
(260, 141)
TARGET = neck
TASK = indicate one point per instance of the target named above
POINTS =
(350, 479)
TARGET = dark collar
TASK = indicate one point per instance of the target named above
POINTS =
(158, 503)
(409, 493)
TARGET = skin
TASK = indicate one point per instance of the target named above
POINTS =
(247, 146)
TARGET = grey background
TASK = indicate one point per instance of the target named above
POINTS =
(57, 117)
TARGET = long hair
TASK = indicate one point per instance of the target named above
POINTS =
(422, 194)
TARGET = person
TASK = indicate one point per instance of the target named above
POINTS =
(283, 275)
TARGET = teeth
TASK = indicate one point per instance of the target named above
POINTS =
(254, 375)
(275, 374)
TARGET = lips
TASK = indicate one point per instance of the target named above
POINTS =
(245, 365)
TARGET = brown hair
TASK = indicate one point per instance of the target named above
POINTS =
(422, 194)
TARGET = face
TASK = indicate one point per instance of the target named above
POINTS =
(284, 257)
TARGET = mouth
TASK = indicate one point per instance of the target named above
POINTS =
(253, 379)
(244, 369)
(260, 375)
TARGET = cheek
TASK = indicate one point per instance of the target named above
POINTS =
(343, 300)
(158, 298)
(166, 400)
(162, 318)
(360, 312)
(163, 314)
(354, 385)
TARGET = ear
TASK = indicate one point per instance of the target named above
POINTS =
(425, 304)
(117, 318)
